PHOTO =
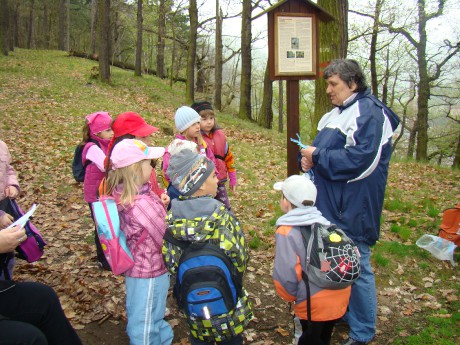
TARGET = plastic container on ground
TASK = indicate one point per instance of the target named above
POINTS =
(441, 248)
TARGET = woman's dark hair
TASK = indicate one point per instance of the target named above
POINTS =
(349, 71)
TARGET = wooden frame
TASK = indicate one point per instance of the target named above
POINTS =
(295, 45)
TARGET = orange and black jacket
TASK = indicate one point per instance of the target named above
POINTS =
(287, 275)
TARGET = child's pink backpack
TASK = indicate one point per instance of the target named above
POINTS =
(112, 238)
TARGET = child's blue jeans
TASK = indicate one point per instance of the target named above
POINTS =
(145, 309)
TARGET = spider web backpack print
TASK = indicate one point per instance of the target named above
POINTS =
(332, 259)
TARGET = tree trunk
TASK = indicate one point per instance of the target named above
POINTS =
(104, 40)
(46, 28)
(200, 77)
(246, 63)
(423, 87)
(161, 39)
(280, 105)
(456, 163)
(173, 58)
(218, 60)
(373, 48)
(265, 117)
(138, 65)
(332, 39)
(412, 139)
(94, 17)
(61, 33)
(191, 56)
(4, 26)
(30, 36)
(68, 26)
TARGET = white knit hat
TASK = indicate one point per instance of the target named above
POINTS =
(178, 145)
(297, 189)
(185, 117)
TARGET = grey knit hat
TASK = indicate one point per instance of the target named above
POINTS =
(185, 117)
(188, 171)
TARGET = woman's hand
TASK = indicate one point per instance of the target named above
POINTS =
(6, 220)
(307, 158)
(11, 238)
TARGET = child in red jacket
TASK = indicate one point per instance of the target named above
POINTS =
(216, 140)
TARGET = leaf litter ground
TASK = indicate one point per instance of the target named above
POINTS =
(40, 135)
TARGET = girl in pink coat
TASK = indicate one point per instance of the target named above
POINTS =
(97, 133)
(142, 220)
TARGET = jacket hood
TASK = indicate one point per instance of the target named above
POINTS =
(197, 210)
(303, 217)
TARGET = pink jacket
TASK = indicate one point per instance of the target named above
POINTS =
(147, 213)
(95, 171)
(8, 175)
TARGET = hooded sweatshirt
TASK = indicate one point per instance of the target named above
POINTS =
(290, 260)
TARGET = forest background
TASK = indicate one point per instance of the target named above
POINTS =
(409, 50)
(45, 91)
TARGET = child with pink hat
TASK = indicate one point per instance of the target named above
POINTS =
(143, 221)
(97, 133)
(130, 125)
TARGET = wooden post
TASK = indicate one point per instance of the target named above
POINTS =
(292, 100)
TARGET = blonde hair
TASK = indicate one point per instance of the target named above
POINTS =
(129, 178)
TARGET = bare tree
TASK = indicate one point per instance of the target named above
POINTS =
(104, 40)
(218, 60)
(161, 39)
(61, 33)
(246, 63)
(333, 40)
(191, 56)
(4, 27)
(429, 67)
(138, 65)
(94, 16)
(265, 117)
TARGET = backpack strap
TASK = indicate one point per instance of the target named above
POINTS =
(308, 243)
(86, 147)
(144, 234)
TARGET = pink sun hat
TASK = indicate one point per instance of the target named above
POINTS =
(131, 151)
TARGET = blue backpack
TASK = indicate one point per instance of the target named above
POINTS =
(78, 168)
(207, 283)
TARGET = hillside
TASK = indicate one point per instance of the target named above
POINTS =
(44, 96)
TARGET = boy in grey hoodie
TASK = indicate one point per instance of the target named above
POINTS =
(297, 203)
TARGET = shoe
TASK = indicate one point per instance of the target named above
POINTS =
(351, 341)
(104, 266)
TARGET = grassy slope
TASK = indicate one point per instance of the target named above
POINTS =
(44, 96)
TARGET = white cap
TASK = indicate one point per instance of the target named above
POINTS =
(297, 189)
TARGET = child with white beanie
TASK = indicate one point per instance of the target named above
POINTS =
(187, 122)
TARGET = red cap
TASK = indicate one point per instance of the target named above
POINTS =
(131, 123)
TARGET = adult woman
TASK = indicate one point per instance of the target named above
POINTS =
(30, 313)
